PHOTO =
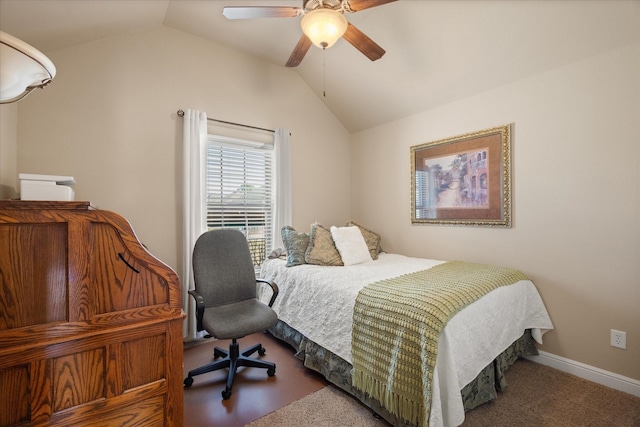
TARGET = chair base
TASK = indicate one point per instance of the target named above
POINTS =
(232, 359)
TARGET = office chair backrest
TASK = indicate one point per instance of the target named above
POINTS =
(223, 268)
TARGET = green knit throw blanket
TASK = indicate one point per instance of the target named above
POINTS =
(396, 325)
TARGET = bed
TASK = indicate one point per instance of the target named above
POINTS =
(316, 316)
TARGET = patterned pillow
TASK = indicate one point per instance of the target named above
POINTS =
(322, 250)
(295, 243)
(371, 238)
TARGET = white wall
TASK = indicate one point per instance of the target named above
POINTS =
(109, 119)
(576, 197)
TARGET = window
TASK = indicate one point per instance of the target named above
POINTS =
(239, 190)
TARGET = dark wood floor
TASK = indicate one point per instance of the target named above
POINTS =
(254, 393)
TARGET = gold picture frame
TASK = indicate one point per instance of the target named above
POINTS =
(463, 180)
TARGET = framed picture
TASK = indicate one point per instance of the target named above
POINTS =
(463, 180)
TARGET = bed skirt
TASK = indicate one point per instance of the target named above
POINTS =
(337, 371)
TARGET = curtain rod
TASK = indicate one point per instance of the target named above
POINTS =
(181, 114)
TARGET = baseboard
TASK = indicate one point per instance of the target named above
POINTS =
(597, 375)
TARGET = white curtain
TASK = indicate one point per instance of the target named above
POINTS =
(194, 209)
(282, 194)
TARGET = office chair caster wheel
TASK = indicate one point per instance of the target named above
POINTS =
(226, 394)
(188, 381)
(271, 371)
(262, 351)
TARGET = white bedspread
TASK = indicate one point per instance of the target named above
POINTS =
(318, 302)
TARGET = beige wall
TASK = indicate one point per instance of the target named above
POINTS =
(576, 197)
(8, 150)
(109, 120)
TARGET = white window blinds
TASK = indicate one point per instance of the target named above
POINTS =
(239, 190)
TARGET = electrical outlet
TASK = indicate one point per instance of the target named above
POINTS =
(618, 339)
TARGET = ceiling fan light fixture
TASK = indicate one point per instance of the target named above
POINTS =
(324, 27)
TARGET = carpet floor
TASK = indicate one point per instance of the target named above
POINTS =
(537, 396)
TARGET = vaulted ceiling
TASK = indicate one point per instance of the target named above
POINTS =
(436, 51)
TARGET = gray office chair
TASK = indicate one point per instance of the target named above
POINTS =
(226, 303)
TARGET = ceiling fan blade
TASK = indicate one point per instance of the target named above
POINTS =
(299, 52)
(248, 12)
(357, 5)
(364, 44)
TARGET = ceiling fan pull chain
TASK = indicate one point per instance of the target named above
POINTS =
(324, 72)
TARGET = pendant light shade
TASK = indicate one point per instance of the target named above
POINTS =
(23, 68)
(324, 26)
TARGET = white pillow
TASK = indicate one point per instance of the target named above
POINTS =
(351, 245)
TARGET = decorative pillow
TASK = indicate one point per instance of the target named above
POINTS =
(277, 253)
(295, 243)
(321, 249)
(351, 245)
(371, 238)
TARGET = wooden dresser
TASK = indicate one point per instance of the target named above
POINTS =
(90, 322)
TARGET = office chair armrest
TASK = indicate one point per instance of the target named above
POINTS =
(274, 289)
(199, 308)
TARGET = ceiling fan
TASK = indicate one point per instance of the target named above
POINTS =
(323, 23)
